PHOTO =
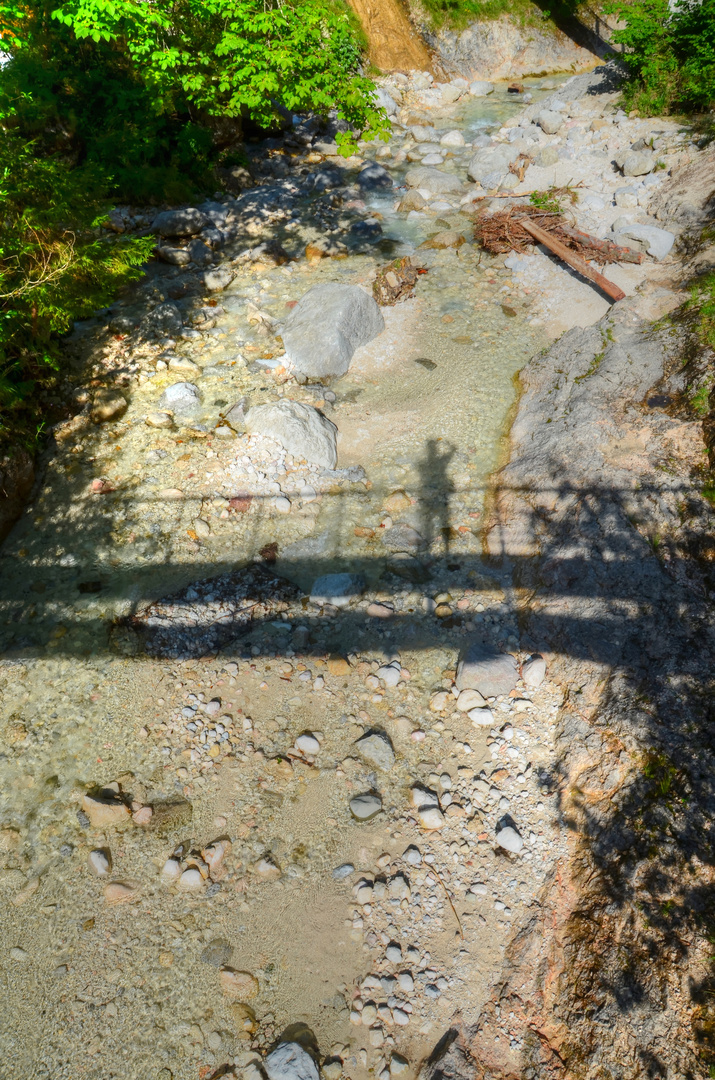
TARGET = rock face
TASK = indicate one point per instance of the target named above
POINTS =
(186, 222)
(326, 327)
(499, 49)
(482, 668)
(300, 429)
(686, 198)
(289, 1061)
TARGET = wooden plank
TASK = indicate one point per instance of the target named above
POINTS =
(615, 252)
(572, 259)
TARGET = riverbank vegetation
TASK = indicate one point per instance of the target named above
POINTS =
(132, 102)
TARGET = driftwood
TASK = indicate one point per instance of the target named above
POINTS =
(519, 227)
(569, 256)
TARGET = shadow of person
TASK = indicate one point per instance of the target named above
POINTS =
(436, 489)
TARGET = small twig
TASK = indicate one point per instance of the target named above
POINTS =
(436, 872)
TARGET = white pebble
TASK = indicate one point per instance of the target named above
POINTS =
(98, 862)
(191, 879)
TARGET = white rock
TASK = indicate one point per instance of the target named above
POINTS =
(509, 839)
(337, 589)
(400, 1017)
(171, 870)
(282, 505)
(390, 674)
(98, 862)
(533, 671)
(481, 717)
(484, 669)
(300, 429)
(658, 241)
(376, 749)
(181, 397)
(430, 817)
(470, 699)
(191, 879)
(327, 325)
(364, 807)
(289, 1061)
(452, 138)
(307, 744)
(480, 88)
(549, 121)
(406, 982)
(393, 952)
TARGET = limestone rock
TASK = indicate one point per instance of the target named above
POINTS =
(216, 280)
(480, 88)
(550, 122)
(636, 162)
(289, 1061)
(327, 325)
(482, 668)
(108, 404)
(376, 749)
(187, 222)
(164, 321)
(533, 670)
(364, 807)
(439, 183)
(430, 818)
(490, 161)
(546, 157)
(447, 238)
(374, 177)
(239, 985)
(337, 589)
(300, 429)
(105, 813)
(508, 838)
(657, 242)
(181, 398)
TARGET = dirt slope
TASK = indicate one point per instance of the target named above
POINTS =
(394, 45)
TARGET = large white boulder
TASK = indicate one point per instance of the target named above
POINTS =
(300, 429)
(327, 325)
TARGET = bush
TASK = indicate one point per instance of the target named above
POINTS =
(56, 265)
(670, 54)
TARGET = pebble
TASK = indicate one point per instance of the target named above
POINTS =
(407, 983)
(509, 839)
(217, 952)
(470, 699)
(239, 985)
(289, 1061)
(533, 671)
(390, 674)
(393, 952)
(400, 1017)
(118, 893)
(171, 870)
(376, 749)
(430, 818)
(191, 879)
(364, 807)
(398, 1065)
(98, 862)
(482, 717)
(343, 871)
(104, 813)
(413, 855)
(18, 954)
(307, 744)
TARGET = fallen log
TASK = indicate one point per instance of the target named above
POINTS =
(612, 252)
(573, 260)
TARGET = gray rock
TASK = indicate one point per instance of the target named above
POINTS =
(424, 134)
(402, 538)
(492, 159)
(217, 953)
(482, 668)
(657, 242)
(546, 157)
(439, 183)
(479, 88)
(165, 320)
(343, 871)
(216, 280)
(386, 102)
(533, 670)
(289, 1061)
(182, 397)
(550, 121)
(186, 222)
(636, 163)
(376, 749)
(509, 839)
(327, 325)
(374, 177)
(412, 855)
(337, 589)
(299, 428)
(364, 807)
(200, 253)
(175, 256)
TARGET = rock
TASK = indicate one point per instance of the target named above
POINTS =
(307, 744)
(374, 177)
(105, 813)
(481, 717)
(200, 253)
(385, 101)
(448, 238)
(217, 952)
(376, 749)
(470, 699)
(398, 1064)
(401, 538)
(202, 528)
(482, 668)
(533, 670)
(337, 589)
(327, 325)
(480, 88)
(343, 871)
(508, 838)
(164, 321)
(143, 815)
(493, 161)
(333, 1070)
(658, 242)
(364, 807)
(412, 855)
(546, 157)
(406, 982)
(108, 404)
(175, 256)
(550, 122)
(430, 817)
(400, 1017)
(393, 952)
(289, 1061)
(379, 611)
(238, 985)
(452, 138)
(440, 700)
(429, 179)
(300, 429)
(397, 502)
(635, 162)
(191, 879)
(267, 868)
(219, 279)
(171, 870)
(338, 666)
(412, 201)
(119, 893)
(451, 93)
(424, 133)
(98, 862)
(181, 365)
(18, 955)
(186, 222)
(159, 420)
(181, 398)
(433, 159)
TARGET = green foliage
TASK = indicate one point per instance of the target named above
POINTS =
(546, 200)
(56, 265)
(701, 304)
(670, 53)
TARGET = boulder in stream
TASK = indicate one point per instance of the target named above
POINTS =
(327, 325)
(434, 180)
(492, 160)
(300, 429)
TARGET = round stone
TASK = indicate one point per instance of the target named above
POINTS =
(365, 807)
